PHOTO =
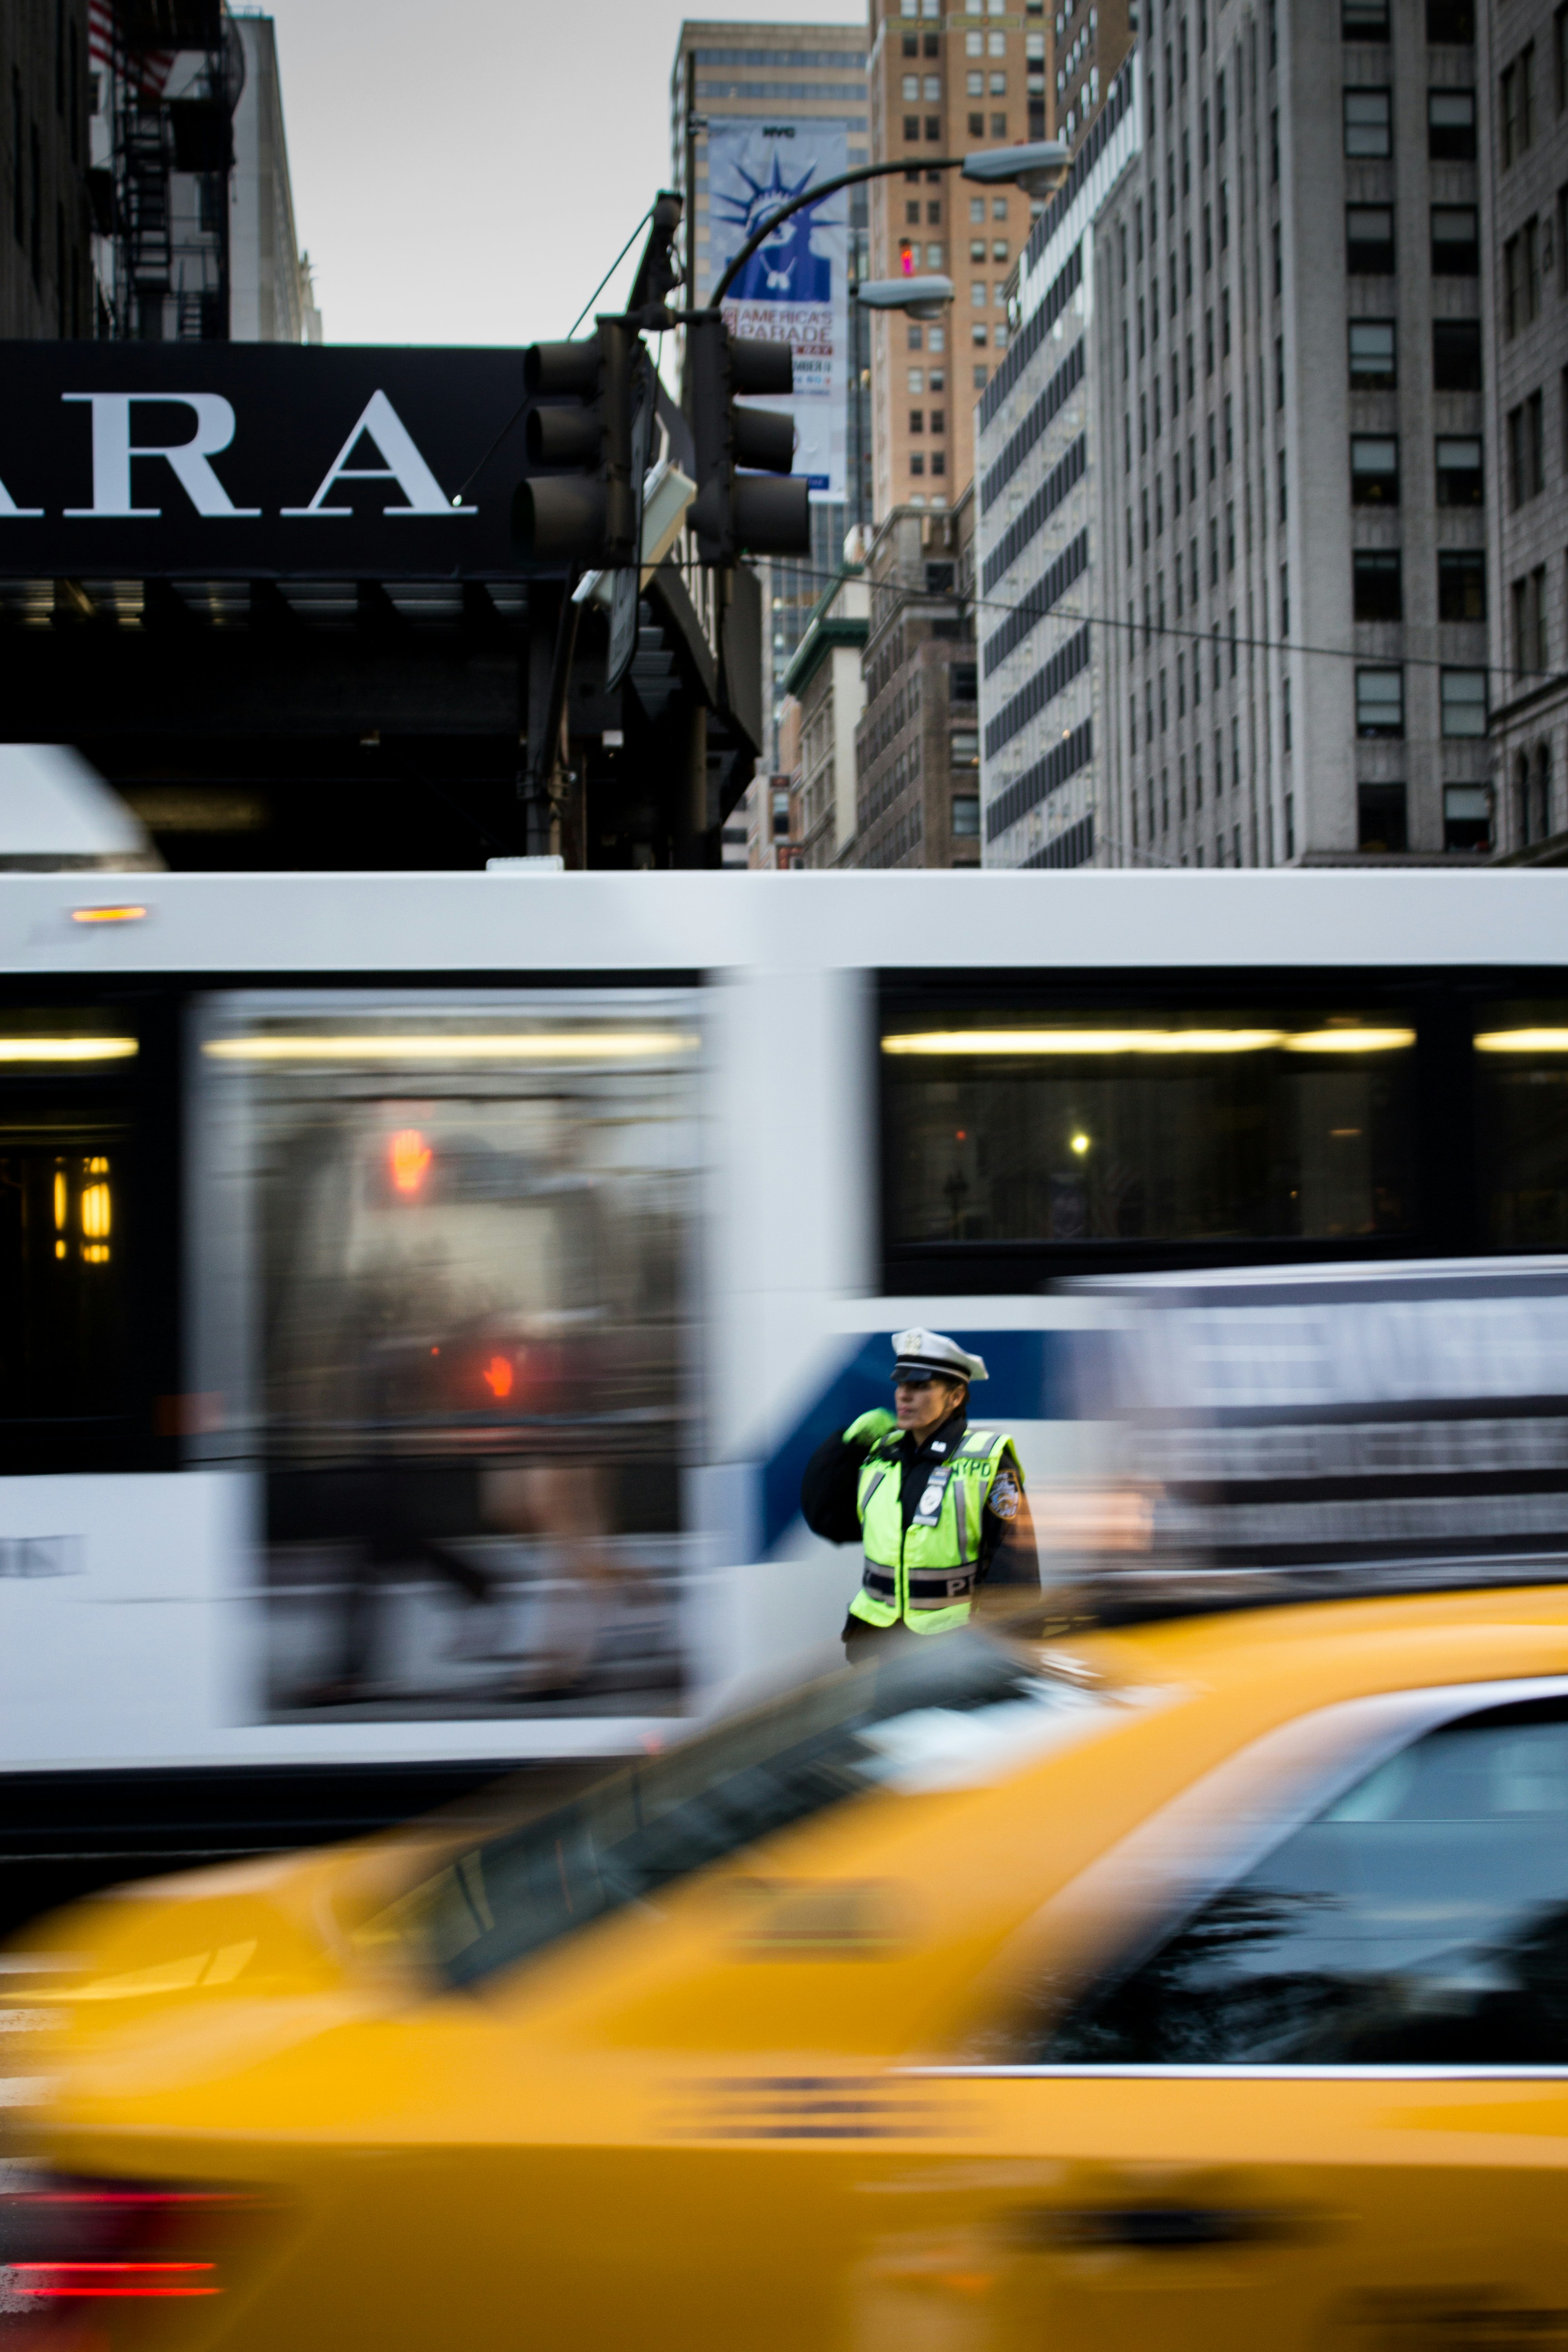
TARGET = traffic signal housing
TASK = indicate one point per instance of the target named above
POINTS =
(742, 506)
(583, 396)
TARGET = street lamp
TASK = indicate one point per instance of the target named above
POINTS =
(921, 298)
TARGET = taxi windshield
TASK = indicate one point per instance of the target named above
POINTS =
(962, 1713)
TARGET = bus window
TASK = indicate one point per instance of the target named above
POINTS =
(1153, 1124)
(66, 1227)
(1522, 1069)
(442, 1303)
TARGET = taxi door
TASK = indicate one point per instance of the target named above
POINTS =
(1319, 2101)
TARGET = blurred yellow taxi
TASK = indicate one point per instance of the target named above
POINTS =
(1196, 1982)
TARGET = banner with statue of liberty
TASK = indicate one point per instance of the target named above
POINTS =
(794, 288)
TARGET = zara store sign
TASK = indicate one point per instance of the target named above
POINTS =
(251, 460)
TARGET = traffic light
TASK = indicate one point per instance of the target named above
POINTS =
(590, 515)
(737, 511)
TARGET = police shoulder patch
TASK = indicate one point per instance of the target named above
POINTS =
(1003, 1497)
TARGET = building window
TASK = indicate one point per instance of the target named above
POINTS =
(1369, 128)
(917, 420)
(1364, 20)
(1369, 240)
(1516, 107)
(1456, 355)
(1521, 278)
(780, 807)
(1380, 819)
(917, 462)
(1380, 703)
(1462, 696)
(1528, 597)
(1376, 584)
(1461, 585)
(1374, 470)
(1451, 125)
(1455, 248)
(966, 817)
(1459, 481)
(1373, 362)
(1526, 451)
(939, 461)
(1451, 20)
(1466, 818)
(977, 126)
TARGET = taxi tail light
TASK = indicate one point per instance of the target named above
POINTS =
(65, 2240)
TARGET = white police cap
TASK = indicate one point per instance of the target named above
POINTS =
(931, 1355)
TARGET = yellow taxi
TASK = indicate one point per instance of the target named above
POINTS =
(1199, 1982)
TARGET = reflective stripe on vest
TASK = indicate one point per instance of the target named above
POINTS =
(925, 1575)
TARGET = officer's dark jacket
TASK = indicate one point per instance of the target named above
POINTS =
(827, 1501)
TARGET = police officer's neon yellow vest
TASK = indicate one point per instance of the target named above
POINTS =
(926, 1575)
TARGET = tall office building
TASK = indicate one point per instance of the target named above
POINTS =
(45, 218)
(1294, 492)
(271, 298)
(751, 108)
(944, 83)
(1039, 465)
(1523, 68)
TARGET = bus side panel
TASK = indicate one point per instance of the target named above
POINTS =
(121, 1605)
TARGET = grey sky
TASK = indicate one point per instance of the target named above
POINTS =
(464, 173)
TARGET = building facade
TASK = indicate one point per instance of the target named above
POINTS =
(271, 297)
(46, 218)
(825, 689)
(783, 75)
(193, 214)
(944, 83)
(917, 749)
(1039, 574)
(1523, 110)
(1291, 282)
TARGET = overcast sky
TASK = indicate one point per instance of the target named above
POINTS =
(465, 175)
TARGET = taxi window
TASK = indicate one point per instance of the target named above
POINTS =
(1421, 1919)
(962, 1714)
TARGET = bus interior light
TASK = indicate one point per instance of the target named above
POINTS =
(1523, 1041)
(1036, 1043)
(454, 1045)
(1350, 1041)
(109, 914)
(68, 1049)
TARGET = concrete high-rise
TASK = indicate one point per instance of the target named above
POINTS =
(1039, 473)
(1523, 110)
(271, 300)
(45, 223)
(1296, 450)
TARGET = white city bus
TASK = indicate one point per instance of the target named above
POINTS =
(422, 1292)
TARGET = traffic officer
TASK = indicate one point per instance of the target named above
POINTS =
(938, 1507)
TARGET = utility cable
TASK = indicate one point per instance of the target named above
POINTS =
(462, 492)
(1217, 638)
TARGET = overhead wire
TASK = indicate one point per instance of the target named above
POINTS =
(1219, 639)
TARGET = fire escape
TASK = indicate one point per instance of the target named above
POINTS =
(178, 70)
